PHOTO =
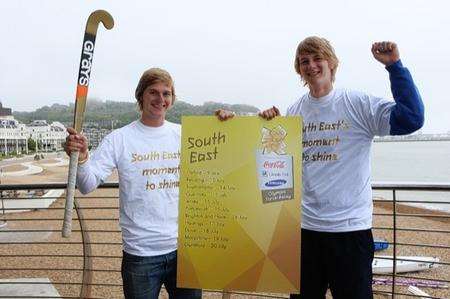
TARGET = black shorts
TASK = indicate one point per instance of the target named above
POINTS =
(339, 261)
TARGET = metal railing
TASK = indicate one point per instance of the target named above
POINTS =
(88, 264)
(418, 213)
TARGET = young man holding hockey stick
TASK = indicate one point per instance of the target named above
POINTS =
(146, 154)
(338, 129)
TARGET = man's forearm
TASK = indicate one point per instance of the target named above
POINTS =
(87, 181)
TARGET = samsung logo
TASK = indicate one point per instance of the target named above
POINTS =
(275, 183)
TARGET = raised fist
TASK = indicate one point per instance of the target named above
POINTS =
(385, 52)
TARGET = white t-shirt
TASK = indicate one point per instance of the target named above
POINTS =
(147, 160)
(338, 130)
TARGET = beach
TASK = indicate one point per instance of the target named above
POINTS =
(42, 229)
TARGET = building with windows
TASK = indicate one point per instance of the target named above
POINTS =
(14, 135)
(48, 137)
(95, 133)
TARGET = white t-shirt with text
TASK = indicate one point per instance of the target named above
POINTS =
(147, 160)
(338, 130)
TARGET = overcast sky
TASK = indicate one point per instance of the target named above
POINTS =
(234, 51)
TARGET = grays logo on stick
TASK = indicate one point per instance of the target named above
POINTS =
(86, 60)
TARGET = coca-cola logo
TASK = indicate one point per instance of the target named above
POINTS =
(276, 164)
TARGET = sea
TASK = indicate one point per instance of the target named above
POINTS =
(417, 162)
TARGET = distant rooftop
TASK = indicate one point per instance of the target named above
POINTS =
(5, 111)
(38, 123)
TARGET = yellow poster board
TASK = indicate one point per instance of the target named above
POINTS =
(239, 217)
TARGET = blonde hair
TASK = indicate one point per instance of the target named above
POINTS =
(317, 45)
(150, 77)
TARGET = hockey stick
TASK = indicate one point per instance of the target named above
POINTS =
(87, 53)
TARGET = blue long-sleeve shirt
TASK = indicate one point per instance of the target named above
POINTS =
(407, 115)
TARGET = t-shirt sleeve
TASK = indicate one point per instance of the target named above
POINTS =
(371, 114)
(288, 112)
(98, 168)
(293, 109)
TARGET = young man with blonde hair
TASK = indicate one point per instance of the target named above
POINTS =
(148, 202)
(338, 128)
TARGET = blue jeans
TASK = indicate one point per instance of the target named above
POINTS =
(143, 277)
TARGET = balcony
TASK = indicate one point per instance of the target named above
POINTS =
(36, 262)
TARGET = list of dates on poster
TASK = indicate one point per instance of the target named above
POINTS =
(206, 214)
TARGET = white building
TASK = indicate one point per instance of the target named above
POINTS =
(48, 137)
(13, 136)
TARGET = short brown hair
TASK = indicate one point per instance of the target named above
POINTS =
(150, 77)
(317, 45)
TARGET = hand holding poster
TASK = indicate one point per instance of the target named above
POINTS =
(239, 219)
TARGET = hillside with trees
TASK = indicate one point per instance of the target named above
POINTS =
(122, 113)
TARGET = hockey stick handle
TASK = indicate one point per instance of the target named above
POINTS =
(84, 73)
(71, 182)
